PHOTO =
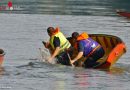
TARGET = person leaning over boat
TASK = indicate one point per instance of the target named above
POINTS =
(88, 48)
(58, 44)
(72, 38)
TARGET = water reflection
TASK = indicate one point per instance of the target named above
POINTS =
(116, 70)
(81, 79)
(60, 85)
(96, 78)
(1, 71)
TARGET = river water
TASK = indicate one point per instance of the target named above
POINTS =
(23, 29)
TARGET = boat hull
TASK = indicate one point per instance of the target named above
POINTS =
(114, 48)
(124, 14)
(1, 56)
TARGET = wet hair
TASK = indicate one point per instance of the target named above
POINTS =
(75, 34)
(50, 30)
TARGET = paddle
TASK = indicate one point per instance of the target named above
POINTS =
(70, 60)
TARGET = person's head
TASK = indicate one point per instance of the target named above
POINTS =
(50, 30)
(75, 35)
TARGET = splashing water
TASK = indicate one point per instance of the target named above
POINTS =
(45, 54)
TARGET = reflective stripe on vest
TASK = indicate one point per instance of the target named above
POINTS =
(64, 43)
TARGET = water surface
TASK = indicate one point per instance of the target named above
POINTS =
(23, 29)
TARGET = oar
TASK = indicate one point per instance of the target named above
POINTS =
(70, 60)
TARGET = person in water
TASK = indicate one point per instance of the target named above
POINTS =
(58, 44)
(88, 48)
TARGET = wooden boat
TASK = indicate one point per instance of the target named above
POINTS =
(123, 13)
(2, 53)
(114, 48)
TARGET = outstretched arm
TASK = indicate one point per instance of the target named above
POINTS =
(80, 54)
(55, 53)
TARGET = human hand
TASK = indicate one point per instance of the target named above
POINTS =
(72, 62)
(46, 44)
(50, 59)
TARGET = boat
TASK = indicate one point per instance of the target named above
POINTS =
(2, 53)
(123, 13)
(114, 48)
